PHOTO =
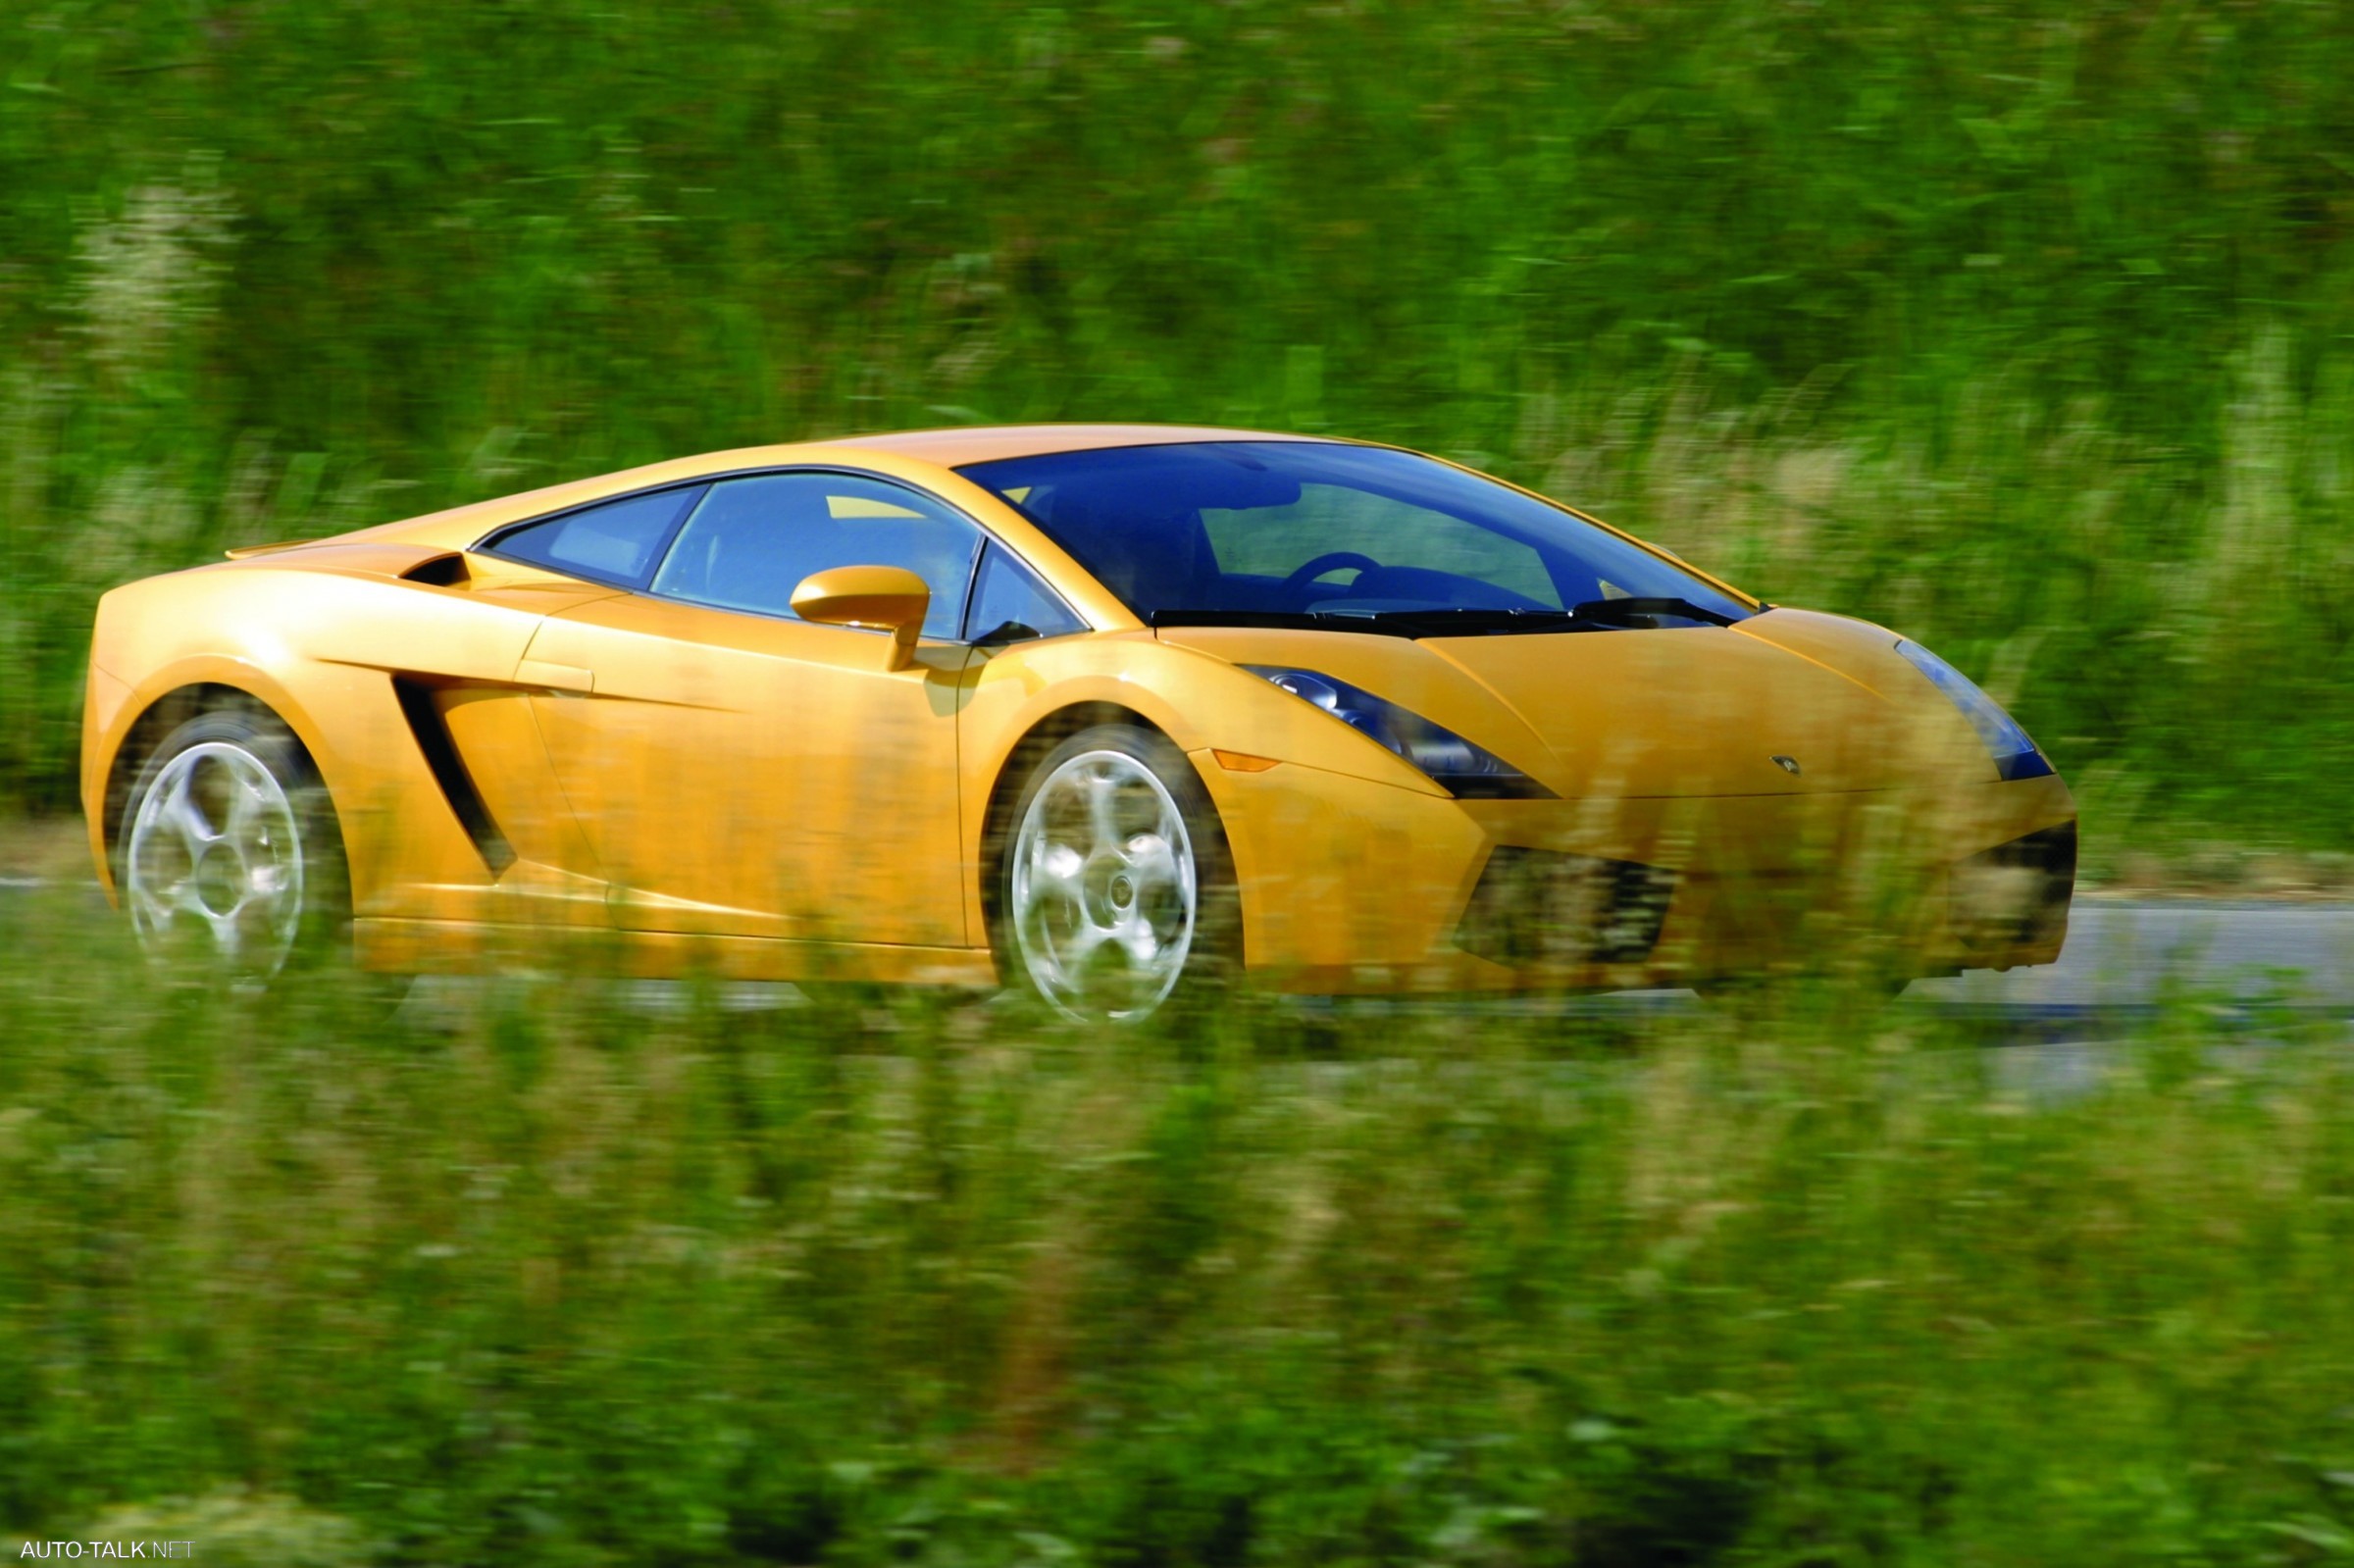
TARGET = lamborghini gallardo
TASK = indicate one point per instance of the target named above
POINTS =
(1113, 713)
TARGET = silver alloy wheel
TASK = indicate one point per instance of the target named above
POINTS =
(216, 856)
(1105, 892)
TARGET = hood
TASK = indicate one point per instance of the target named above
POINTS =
(1701, 711)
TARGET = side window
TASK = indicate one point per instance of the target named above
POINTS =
(753, 540)
(614, 542)
(1010, 602)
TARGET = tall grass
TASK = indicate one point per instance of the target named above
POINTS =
(893, 1279)
(2022, 326)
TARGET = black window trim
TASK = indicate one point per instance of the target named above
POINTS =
(972, 586)
(488, 544)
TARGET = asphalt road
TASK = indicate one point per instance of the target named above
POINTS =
(2123, 957)
(2242, 961)
(2129, 954)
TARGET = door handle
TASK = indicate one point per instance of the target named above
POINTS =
(555, 677)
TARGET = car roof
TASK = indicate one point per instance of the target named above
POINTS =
(460, 526)
(982, 443)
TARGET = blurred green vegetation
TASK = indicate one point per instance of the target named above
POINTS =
(540, 1278)
(2024, 326)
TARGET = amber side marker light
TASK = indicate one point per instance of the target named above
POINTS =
(1242, 761)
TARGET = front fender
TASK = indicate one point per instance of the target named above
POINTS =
(1201, 702)
(1196, 700)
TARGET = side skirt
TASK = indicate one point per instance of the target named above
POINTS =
(474, 947)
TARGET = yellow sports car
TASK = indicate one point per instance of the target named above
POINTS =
(1102, 710)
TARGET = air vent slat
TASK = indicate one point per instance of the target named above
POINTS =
(440, 571)
(441, 753)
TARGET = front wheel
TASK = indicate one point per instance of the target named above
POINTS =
(1114, 890)
(231, 859)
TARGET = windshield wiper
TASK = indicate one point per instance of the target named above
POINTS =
(1617, 611)
(1279, 620)
(1466, 620)
(1431, 623)
(1598, 615)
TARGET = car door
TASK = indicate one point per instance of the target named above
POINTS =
(455, 642)
(472, 728)
(739, 770)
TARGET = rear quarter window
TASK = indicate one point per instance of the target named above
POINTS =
(612, 542)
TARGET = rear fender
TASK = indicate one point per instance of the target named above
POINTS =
(117, 712)
(321, 650)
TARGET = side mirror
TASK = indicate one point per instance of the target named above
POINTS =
(880, 598)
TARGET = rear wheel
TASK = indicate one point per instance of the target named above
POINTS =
(1114, 893)
(231, 858)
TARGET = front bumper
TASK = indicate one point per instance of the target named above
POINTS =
(1349, 885)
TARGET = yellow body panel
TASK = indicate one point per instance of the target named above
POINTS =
(676, 785)
(747, 776)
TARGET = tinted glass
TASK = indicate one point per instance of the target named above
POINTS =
(615, 542)
(1305, 526)
(1007, 595)
(753, 540)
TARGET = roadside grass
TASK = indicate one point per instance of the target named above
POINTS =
(533, 1277)
(44, 849)
(2022, 329)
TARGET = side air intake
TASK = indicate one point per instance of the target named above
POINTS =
(440, 754)
(442, 570)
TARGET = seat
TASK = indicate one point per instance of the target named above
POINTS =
(1158, 560)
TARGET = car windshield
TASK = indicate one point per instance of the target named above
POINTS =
(1256, 531)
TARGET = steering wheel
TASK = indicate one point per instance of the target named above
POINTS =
(1329, 561)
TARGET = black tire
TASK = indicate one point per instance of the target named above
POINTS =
(1214, 944)
(209, 761)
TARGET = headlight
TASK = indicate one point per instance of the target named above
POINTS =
(2015, 755)
(1466, 770)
